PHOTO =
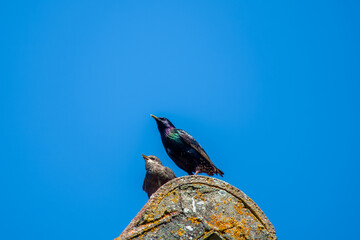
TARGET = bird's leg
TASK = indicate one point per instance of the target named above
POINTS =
(198, 170)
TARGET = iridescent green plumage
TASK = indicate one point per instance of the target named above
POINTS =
(174, 135)
(184, 150)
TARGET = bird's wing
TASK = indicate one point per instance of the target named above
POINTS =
(170, 173)
(189, 140)
(145, 184)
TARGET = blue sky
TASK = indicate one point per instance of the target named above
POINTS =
(269, 88)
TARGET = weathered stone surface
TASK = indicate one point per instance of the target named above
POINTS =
(199, 207)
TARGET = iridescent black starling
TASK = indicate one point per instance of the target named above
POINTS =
(156, 174)
(184, 150)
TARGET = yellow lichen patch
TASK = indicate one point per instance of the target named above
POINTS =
(243, 221)
(239, 208)
(200, 195)
(248, 212)
(174, 196)
(259, 228)
(237, 232)
(222, 222)
(226, 201)
(230, 226)
(194, 220)
(157, 211)
(180, 232)
(229, 200)
(155, 216)
(154, 229)
(148, 218)
(244, 211)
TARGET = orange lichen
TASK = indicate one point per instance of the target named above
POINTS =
(173, 195)
(194, 220)
(239, 208)
(200, 195)
(259, 228)
(229, 200)
(229, 225)
(238, 232)
(221, 222)
(180, 232)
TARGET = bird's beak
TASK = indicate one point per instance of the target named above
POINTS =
(145, 157)
(154, 117)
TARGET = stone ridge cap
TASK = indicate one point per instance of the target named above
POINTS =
(217, 183)
(210, 181)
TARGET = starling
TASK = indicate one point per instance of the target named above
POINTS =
(156, 174)
(184, 150)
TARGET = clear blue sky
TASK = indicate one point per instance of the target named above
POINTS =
(269, 88)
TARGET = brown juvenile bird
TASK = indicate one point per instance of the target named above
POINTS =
(156, 174)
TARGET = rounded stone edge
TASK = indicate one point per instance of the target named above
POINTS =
(191, 179)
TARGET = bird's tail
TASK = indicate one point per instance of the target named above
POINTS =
(218, 171)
